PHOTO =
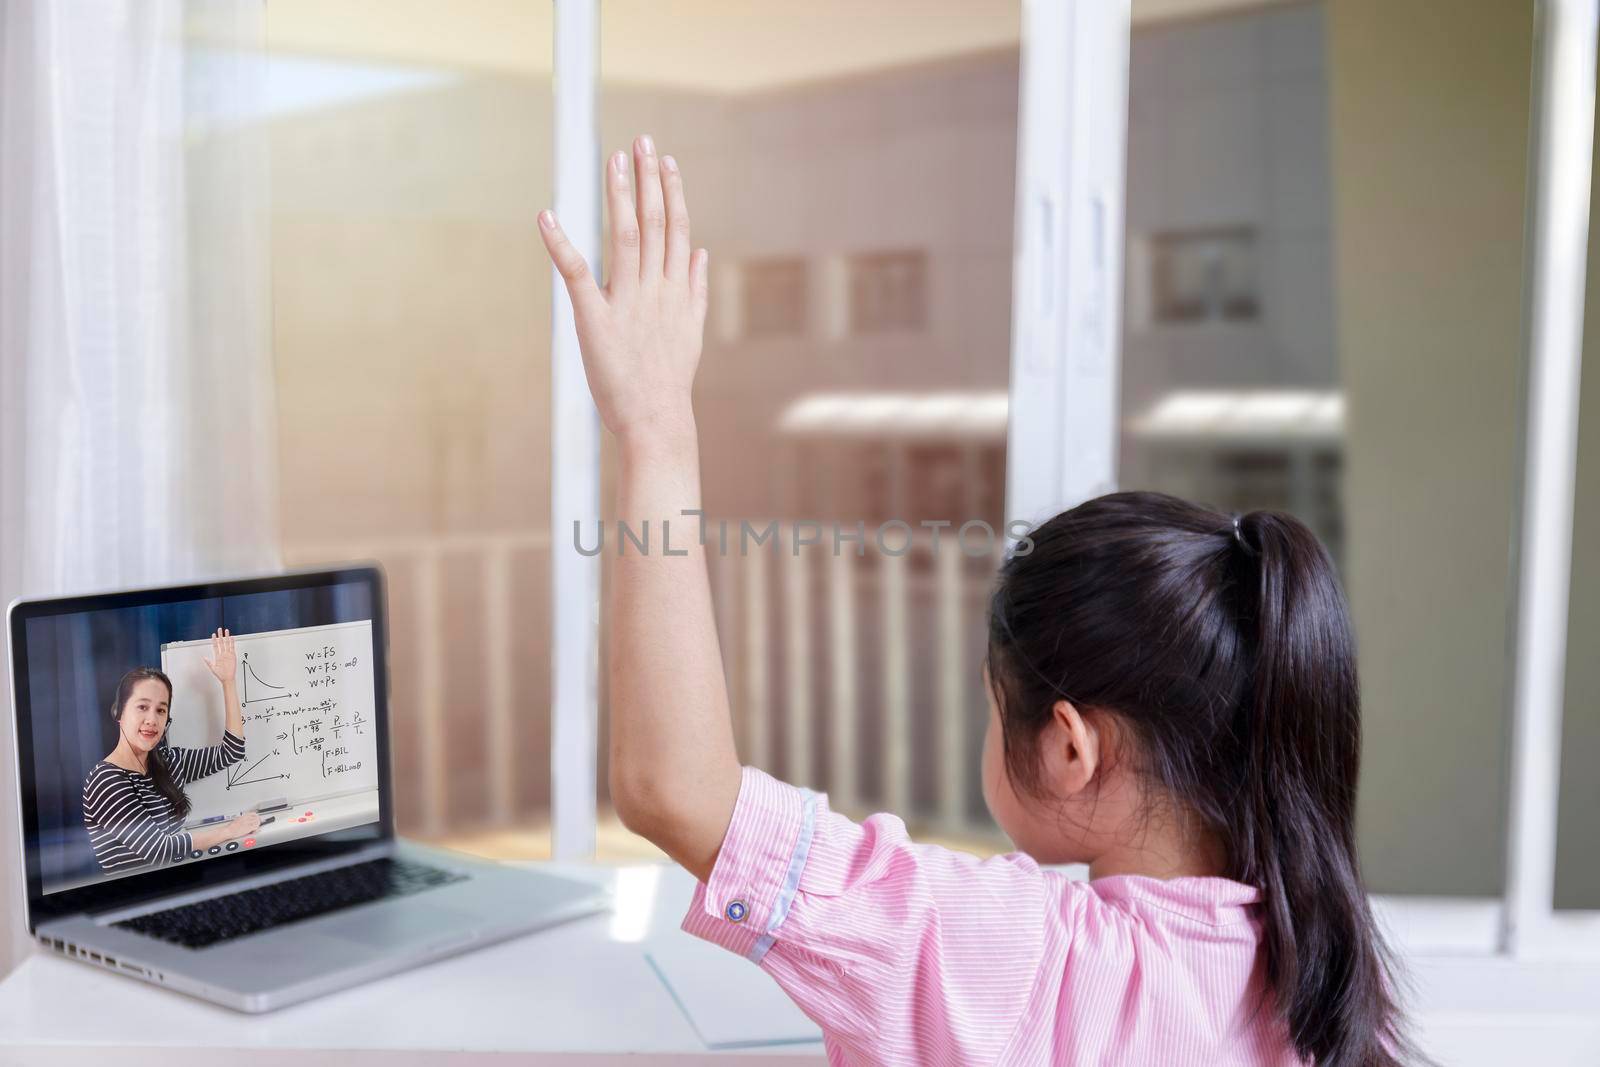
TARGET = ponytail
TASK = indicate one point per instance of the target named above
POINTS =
(1224, 646)
(1293, 834)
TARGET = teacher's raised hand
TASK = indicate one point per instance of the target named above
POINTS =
(640, 333)
(223, 662)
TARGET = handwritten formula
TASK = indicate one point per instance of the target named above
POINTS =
(307, 701)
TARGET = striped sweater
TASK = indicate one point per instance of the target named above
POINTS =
(130, 823)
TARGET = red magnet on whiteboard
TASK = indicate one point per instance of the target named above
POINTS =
(299, 820)
(308, 814)
(249, 842)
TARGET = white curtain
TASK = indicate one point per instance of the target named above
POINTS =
(136, 392)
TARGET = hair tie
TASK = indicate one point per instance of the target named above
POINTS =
(1238, 534)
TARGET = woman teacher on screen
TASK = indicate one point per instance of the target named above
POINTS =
(133, 800)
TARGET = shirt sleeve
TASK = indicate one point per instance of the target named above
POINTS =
(898, 951)
(192, 764)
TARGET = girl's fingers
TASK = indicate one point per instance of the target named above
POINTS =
(570, 263)
(677, 254)
(652, 211)
(624, 225)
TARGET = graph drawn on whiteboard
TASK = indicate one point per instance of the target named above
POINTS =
(307, 702)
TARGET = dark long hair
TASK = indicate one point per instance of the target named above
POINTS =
(1224, 646)
(156, 766)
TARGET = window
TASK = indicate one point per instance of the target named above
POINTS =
(888, 291)
(1322, 380)
(1204, 275)
(774, 296)
(411, 338)
(854, 674)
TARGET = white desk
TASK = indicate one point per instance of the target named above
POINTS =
(582, 992)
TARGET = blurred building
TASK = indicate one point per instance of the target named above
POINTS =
(858, 343)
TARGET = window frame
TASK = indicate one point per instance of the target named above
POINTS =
(1561, 143)
(575, 439)
(1061, 444)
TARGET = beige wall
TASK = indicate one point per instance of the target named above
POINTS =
(411, 312)
(1429, 109)
(1577, 864)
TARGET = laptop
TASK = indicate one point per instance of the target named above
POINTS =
(256, 869)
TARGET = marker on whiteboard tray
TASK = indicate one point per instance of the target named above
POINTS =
(212, 818)
(277, 804)
(269, 818)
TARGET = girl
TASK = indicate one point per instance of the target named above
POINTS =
(1173, 701)
(134, 805)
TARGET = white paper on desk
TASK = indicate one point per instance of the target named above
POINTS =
(729, 1001)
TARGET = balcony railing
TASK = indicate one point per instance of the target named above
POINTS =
(853, 672)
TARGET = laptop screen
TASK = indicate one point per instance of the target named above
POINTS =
(148, 745)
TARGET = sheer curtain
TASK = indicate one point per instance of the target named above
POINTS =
(136, 388)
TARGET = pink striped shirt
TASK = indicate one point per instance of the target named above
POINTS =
(907, 953)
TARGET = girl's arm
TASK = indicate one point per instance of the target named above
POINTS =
(675, 773)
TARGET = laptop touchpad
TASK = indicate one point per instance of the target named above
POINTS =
(386, 927)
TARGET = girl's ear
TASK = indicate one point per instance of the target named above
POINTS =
(1076, 742)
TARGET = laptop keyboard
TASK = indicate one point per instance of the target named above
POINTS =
(223, 918)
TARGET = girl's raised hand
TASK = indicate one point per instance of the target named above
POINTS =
(640, 334)
(222, 662)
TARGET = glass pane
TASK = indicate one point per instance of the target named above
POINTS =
(411, 314)
(853, 175)
(1325, 211)
(1577, 865)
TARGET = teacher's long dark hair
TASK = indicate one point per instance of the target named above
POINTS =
(1226, 646)
(155, 764)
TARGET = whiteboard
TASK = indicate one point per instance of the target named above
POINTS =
(310, 722)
